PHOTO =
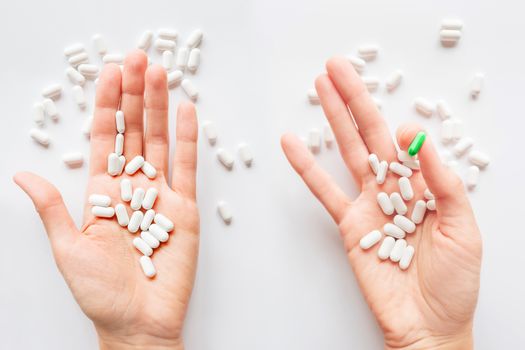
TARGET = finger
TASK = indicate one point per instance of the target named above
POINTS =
(132, 102)
(156, 143)
(318, 181)
(49, 204)
(370, 123)
(185, 161)
(351, 146)
(104, 129)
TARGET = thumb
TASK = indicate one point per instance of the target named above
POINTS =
(48, 202)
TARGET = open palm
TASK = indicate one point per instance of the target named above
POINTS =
(99, 262)
(432, 303)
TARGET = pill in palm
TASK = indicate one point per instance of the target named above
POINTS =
(119, 144)
(408, 253)
(397, 251)
(147, 219)
(400, 169)
(113, 164)
(405, 188)
(404, 223)
(134, 165)
(135, 221)
(142, 246)
(158, 232)
(149, 170)
(381, 172)
(373, 161)
(102, 212)
(416, 143)
(149, 198)
(137, 198)
(398, 203)
(163, 222)
(431, 204)
(150, 239)
(122, 214)
(370, 239)
(428, 195)
(393, 231)
(126, 191)
(386, 247)
(385, 203)
(147, 266)
(120, 122)
(418, 213)
(100, 200)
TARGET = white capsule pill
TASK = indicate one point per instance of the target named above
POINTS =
(476, 85)
(313, 97)
(147, 266)
(163, 222)
(447, 130)
(386, 247)
(451, 23)
(225, 212)
(74, 49)
(210, 131)
(472, 177)
(428, 195)
(368, 52)
(314, 140)
(50, 109)
(397, 251)
(182, 58)
(479, 158)
(126, 190)
(189, 89)
(78, 59)
(373, 161)
(39, 114)
(52, 91)
(116, 58)
(75, 77)
(174, 78)
(328, 136)
(134, 165)
(225, 158)
(119, 144)
(359, 64)
(442, 110)
(398, 203)
(100, 200)
(393, 231)
(79, 96)
(150, 239)
(195, 38)
(40, 136)
(149, 170)
(164, 45)
(102, 212)
(431, 205)
(381, 172)
(100, 44)
(167, 60)
(137, 198)
(135, 221)
(408, 253)
(147, 220)
(418, 213)
(145, 40)
(73, 159)
(449, 36)
(122, 163)
(113, 164)
(412, 164)
(90, 71)
(458, 129)
(122, 215)
(194, 60)
(405, 188)
(394, 80)
(400, 169)
(142, 246)
(404, 223)
(424, 107)
(463, 146)
(385, 203)
(403, 156)
(149, 198)
(370, 239)
(120, 122)
(168, 34)
(371, 83)
(245, 153)
(158, 232)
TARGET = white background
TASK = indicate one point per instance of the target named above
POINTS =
(277, 278)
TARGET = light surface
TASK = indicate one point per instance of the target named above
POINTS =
(277, 277)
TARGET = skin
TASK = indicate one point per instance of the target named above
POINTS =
(430, 305)
(99, 262)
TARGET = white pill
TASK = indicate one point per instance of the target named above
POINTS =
(147, 266)
(168, 34)
(100, 44)
(381, 172)
(386, 247)
(78, 59)
(447, 131)
(89, 71)
(147, 220)
(74, 49)
(50, 109)
(79, 96)
(431, 205)
(100, 200)
(418, 213)
(165, 223)
(479, 158)
(398, 203)
(210, 131)
(149, 198)
(458, 129)
(167, 60)
(400, 169)
(394, 80)
(373, 161)
(135, 221)
(245, 153)
(359, 64)
(424, 107)
(149, 170)
(122, 163)
(313, 97)
(116, 58)
(75, 77)
(472, 177)
(113, 164)
(370, 239)
(371, 83)
(134, 165)
(314, 140)
(73, 159)
(397, 251)
(52, 91)
(451, 23)
(368, 52)
(194, 60)
(40, 136)
(102, 212)
(142, 246)
(405, 188)
(158, 232)
(126, 191)
(119, 144)
(403, 156)
(145, 40)
(174, 78)
(225, 158)
(182, 58)
(476, 85)
(393, 231)
(225, 212)
(442, 110)
(449, 36)
(408, 253)
(164, 45)
(328, 136)
(137, 198)
(404, 223)
(122, 215)
(412, 164)
(120, 122)
(39, 114)
(150, 239)
(195, 38)
(190, 89)
(385, 203)
(463, 146)
(428, 195)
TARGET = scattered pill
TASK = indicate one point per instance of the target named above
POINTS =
(405, 188)
(100, 200)
(182, 58)
(463, 146)
(416, 143)
(52, 91)
(328, 136)
(195, 38)
(400, 169)
(149, 170)
(142, 246)
(73, 159)
(74, 49)
(189, 89)
(404, 223)
(385, 203)
(100, 44)
(478, 158)
(164, 45)
(412, 164)
(167, 60)
(394, 80)
(102, 212)
(398, 203)
(458, 129)
(149, 198)
(428, 195)
(135, 220)
(370, 239)
(158, 232)
(134, 165)
(368, 52)
(371, 83)
(393, 231)
(449, 37)
(408, 253)
(168, 34)
(472, 177)
(126, 190)
(122, 214)
(116, 58)
(75, 77)
(418, 213)
(442, 110)
(447, 131)
(313, 97)
(359, 64)
(165, 223)
(451, 23)
(245, 153)
(39, 114)
(431, 204)
(113, 164)
(386, 247)
(476, 85)
(397, 251)
(424, 107)
(78, 59)
(150, 239)
(79, 96)
(174, 78)
(145, 40)
(225, 212)
(89, 71)
(137, 198)
(314, 140)
(381, 172)
(373, 161)
(403, 156)
(149, 215)
(210, 131)
(40, 136)
(51, 109)
(225, 158)
(194, 60)
(147, 266)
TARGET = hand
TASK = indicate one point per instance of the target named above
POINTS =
(430, 305)
(99, 262)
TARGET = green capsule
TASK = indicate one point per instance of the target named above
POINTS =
(416, 143)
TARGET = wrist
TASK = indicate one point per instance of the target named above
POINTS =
(138, 342)
(449, 342)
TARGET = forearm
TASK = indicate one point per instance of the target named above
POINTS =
(456, 342)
